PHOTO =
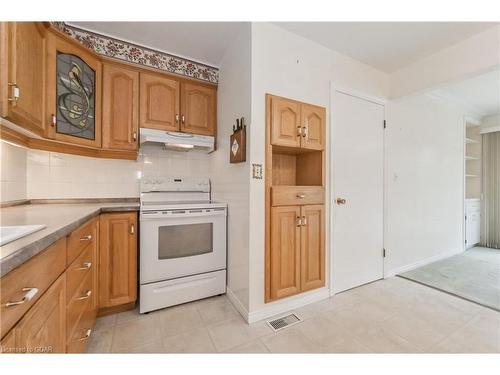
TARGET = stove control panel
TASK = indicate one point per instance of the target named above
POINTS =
(174, 184)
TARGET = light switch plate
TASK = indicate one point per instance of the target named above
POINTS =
(257, 171)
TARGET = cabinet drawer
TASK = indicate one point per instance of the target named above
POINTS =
(82, 266)
(81, 301)
(77, 342)
(297, 195)
(39, 272)
(80, 238)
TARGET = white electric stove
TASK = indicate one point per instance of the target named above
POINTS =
(182, 242)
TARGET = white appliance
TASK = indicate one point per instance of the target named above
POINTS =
(472, 222)
(182, 242)
(178, 141)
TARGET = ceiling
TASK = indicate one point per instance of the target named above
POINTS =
(480, 94)
(387, 46)
(204, 42)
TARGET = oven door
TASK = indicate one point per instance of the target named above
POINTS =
(176, 243)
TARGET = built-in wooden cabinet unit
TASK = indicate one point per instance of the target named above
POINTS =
(118, 259)
(22, 74)
(120, 107)
(50, 303)
(73, 92)
(295, 124)
(82, 103)
(295, 197)
(160, 102)
(198, 108)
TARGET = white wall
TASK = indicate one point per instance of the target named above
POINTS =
(289, 65)
(53, 175)
(12, 172)
(477, 54)
(424, 141)
(230, 182)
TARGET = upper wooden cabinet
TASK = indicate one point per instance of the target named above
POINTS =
(159, 102)
(313, 127)
(198, 108)
(120, 107)
(73, 93)
(285, 122)
(22, 74)
(295, 124)
(118, 259)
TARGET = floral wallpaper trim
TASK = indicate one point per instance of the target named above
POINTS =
(126, 51)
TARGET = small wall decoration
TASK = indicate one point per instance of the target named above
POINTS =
(75, 97)
(238, 145)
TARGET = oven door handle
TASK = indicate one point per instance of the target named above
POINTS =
(169, 215)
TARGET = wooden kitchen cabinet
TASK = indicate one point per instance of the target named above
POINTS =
(285, 122)
(118, 259)
(159, 102)
(198, 109)
(313, 123)
(73, 93)
(285, 251)
(23, 75)
(120, 107)
(312, 247)
(43, 328)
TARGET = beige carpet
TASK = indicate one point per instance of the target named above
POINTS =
(473, 275)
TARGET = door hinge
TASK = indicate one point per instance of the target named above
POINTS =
(385, 124)
(383, 253)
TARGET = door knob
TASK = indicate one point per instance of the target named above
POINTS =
(341, 201)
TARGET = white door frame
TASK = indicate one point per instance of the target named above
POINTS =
(331, 178)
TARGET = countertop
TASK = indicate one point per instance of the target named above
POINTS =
(60, 220)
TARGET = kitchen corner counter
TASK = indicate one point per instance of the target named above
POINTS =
(60, 220)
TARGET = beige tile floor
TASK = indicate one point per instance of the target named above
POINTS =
(388, 316)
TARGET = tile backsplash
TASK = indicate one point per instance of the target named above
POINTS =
(12, 172)
(53, 175)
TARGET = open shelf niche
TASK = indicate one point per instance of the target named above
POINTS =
(297, 168)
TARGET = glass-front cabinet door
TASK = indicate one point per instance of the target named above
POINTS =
(74, 95)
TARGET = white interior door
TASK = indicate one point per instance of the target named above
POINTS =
(357, 177)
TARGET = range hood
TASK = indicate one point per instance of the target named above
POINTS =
(178, 141)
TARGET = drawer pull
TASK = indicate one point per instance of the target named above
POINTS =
(301, 196)
(31, 292)
(88, 237)
(87, 294)
(86, 266)
(87, 335)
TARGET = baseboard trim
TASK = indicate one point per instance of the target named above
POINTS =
(279, 307)
(237, 303)
(395, 271)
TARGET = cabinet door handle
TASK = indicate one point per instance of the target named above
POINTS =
(183, 119)
(15, 93)
(299, 131)
(298, 221)
(177, 118)
(304, 131)
(134, 136)
(87, 294)
(132, 228)
(30, 293)
(301, 196)
(88, 237)
(86, 266)
(304, 221)
(53, 120)
(87, 335)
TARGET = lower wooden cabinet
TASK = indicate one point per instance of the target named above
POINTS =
(43, 328)
(118, 259)
(297, 256)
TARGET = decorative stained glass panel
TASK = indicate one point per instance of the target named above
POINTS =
(75, 97)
